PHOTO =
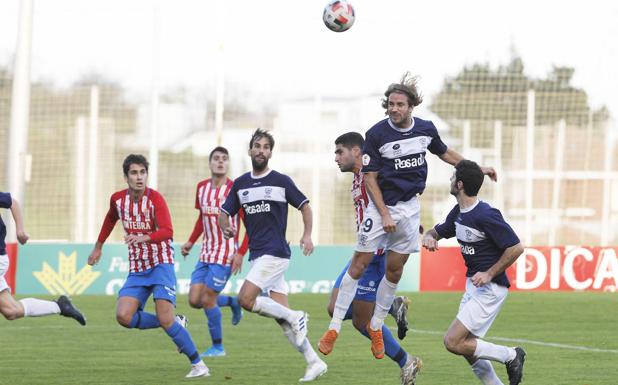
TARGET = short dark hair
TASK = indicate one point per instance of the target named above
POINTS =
(350, 139)
(133, 159)
(259, 134)
(218, 149)
(408, 85)
(471, 175)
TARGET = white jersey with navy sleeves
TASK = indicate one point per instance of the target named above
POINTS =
(264, 200)
(483, 235)
(398, 156)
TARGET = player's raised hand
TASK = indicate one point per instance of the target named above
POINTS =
(22, 237)
(490, 172)
(306, 245)
(236, 263)
(481, 278)
(388, 224)
(430, 243)
(94, 257)
(186, 249)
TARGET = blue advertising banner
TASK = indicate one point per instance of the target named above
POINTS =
(63, 269)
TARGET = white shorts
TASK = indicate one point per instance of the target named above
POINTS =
(406, 215)
(267, 272)
(480, 306)
(4, 267)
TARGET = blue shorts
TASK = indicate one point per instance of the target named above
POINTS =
(213, 275)
(160, 281)
(369, 281)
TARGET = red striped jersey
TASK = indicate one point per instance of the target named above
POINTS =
(208, 200)
(147, 216)
(360, 197)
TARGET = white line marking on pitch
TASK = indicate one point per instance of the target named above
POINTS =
(531, 342)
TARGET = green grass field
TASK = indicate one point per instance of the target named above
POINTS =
(54, 350)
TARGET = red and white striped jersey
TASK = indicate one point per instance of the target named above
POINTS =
(360, 197)
(208, 200)
(147, 216)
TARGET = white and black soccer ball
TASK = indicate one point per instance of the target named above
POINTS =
(338, 15)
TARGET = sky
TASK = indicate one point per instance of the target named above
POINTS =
(282, 49)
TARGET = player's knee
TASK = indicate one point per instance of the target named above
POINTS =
(124, 319)
(195, 303)
(357, 269)
(209, 301)
(246, 302)
(166, 322)
(394, 275)
(451, 344)
(10, 313)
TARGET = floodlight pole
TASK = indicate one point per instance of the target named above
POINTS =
(529, 167)
(20, 110)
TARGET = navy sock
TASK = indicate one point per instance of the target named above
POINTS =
(182, 339)
(214, 325)
(143, 320)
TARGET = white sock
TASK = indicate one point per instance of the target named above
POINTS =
(487, 350)
(384, 300)
(485, 372)
(265, 306)
(305, 348)
(347, 291)
(37, 307)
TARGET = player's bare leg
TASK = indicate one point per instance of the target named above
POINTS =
(10, 309)
(459, 340)
(384, 299)
(250, 299)
(345, 296)
(315, 366)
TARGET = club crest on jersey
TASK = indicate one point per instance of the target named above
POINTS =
(267, 192)
(397, 149)
(257, 208)
(366, 159)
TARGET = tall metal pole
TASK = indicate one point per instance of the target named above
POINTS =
(93, 146)
(529, 167)
(153, 153)
(20, 110)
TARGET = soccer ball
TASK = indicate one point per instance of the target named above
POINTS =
(338, 15)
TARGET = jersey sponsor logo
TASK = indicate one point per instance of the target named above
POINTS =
(366, 159)
(262, 207)
(403, 163)
(134, 225)
(468, 250)
(210, 210)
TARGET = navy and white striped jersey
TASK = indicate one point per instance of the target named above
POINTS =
(398, 156)
(264, 200)
(483, 235)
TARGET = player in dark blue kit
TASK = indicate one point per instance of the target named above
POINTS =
(488, 245)
(264, 195)
(26, 307)
(348, 153)
(395, 173)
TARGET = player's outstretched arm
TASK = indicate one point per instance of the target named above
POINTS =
(22, 237)
(452, 157)
(509, 256)
(430, 240)
(373, 189)
(306, 244)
